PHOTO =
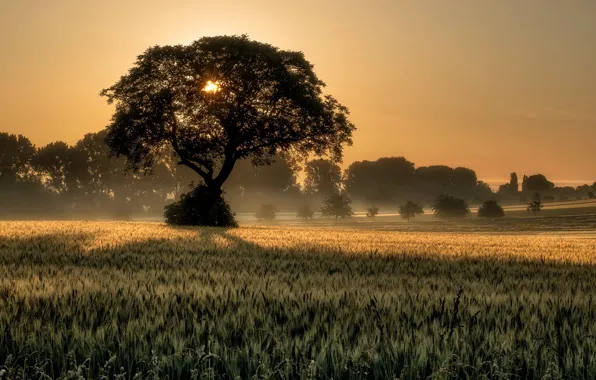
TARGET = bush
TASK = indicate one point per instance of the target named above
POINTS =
(448, 206)
(410, 210)
(590, 195)
(372, 211)
(491, 209)
(200, 207)
(305, 212)
(535, 206)
(266, 212)
(337, 206)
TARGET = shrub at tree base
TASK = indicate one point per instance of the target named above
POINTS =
(491, 209)
(200, 208)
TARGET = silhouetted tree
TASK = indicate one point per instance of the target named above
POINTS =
(337, 206)
(525, 183)
(535, 206)
(590, 194)
(491, 209)
(276, 178)
(449, 207)
(266, 212)
(305, 212)
(323, 177)
(410, 210)
(513, 184)
(220, 100)
(538, 182)
(62, 167)
(446, 177)
(373, 211)
(16, 153)
(378, 180)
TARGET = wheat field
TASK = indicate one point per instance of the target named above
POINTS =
(144, 300)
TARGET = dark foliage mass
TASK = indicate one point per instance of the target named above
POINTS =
(448, 206)
(266, 212)
(536, 183)
(323, 177)
(491, 209)
(410, 210)
(337, 206)
(373, 211)
(200, 208)
(305, 212)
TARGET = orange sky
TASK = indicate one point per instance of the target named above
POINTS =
(495, 85)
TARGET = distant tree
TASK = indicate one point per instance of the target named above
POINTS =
(538, 182)
(590, 194)
(448, 206)
(410, 210)
(373, 211)
(16, 153)
(378, 180)
(266, 212)
(446, 177)
(491, 209)
(505, 189)
(220, 100)
(62, 167)
(277, 177)
(525, 183)
(513, 184)
(323, 177)
(337, 206)
(305, 212)
(535, 206)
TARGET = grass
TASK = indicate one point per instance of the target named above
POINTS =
(125, 300)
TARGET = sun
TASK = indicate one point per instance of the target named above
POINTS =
(212, 87)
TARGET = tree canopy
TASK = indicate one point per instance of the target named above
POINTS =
(537, 183)
(16, 153)
(323, 177)
(491, 209)
(220, 100)
(448, 206)
(337, 206)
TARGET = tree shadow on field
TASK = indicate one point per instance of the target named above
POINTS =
(158, 273)
(42, 249)
(224, 248)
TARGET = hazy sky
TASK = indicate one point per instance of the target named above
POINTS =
(495, 85)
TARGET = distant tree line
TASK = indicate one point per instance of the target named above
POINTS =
(59, 180)
(539, 184)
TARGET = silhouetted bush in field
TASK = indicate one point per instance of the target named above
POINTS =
(410, 210)
(448, 206)
(266, 212)
(200, 208)
(491, 209)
